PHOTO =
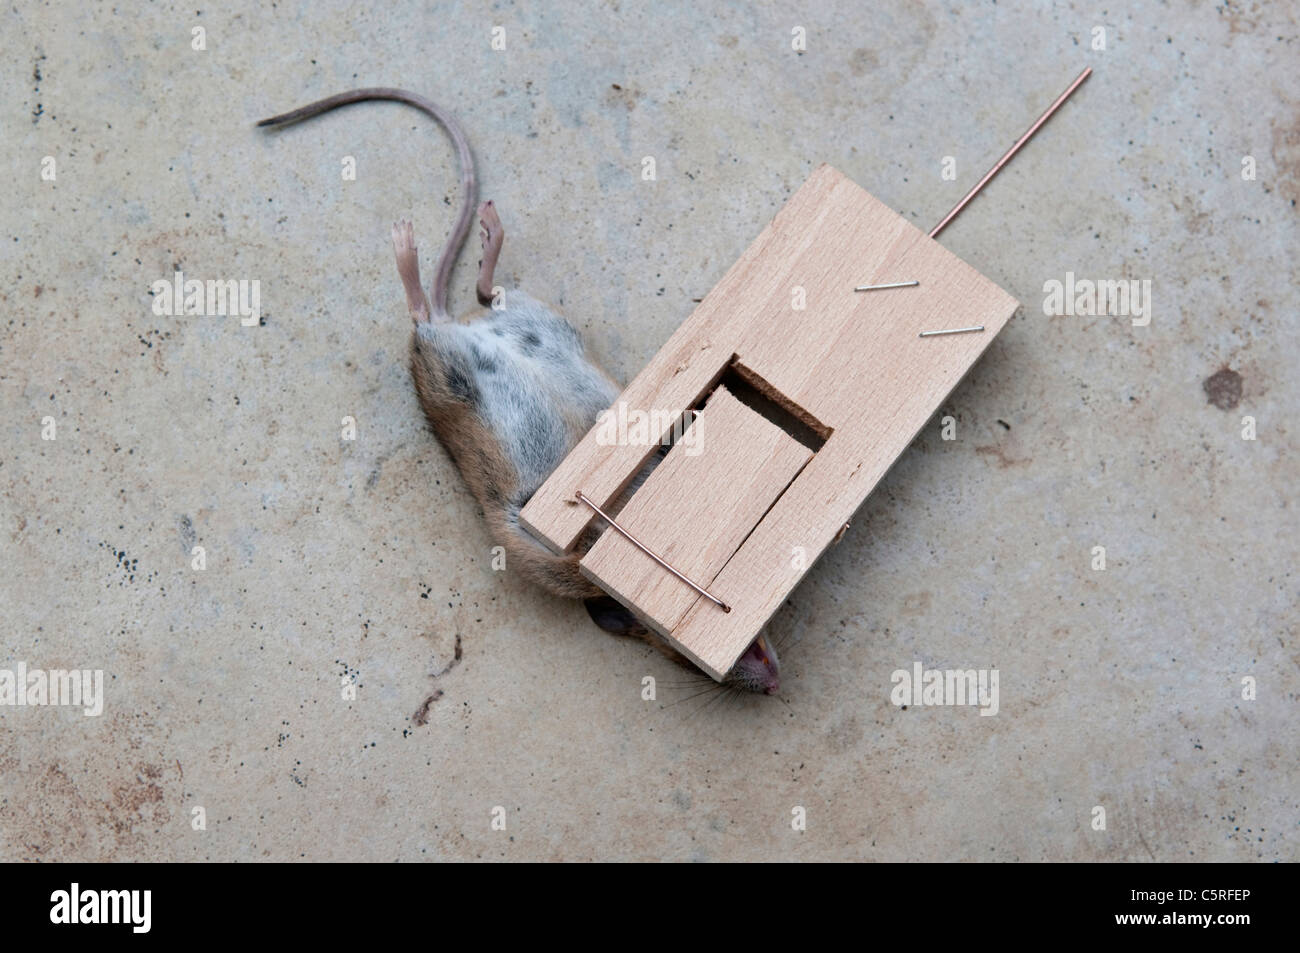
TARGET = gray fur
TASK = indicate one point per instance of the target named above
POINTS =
(521, 367)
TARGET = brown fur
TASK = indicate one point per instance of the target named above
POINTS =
(491, 478)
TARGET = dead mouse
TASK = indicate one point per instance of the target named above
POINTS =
(509, 392)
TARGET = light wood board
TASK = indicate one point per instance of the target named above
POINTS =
(849, 363)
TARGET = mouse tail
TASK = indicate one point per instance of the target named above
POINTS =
(468, 179)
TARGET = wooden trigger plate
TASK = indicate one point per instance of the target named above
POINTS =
(695, 509)
(850, 366)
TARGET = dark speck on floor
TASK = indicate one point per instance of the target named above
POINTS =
(1223, 389)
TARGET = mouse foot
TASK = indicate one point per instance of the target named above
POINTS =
(408, 268)
(493, 237)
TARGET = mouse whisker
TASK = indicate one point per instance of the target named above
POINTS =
(709, 695)
(688, 683)
(701, 692)
(715, 701)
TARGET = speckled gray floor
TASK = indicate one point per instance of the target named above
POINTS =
(364, 565)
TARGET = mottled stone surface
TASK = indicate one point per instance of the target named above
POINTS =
(366, 562)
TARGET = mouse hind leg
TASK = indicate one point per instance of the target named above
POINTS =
(408, 267)
(493, 237)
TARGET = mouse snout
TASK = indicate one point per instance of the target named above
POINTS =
(758, 670)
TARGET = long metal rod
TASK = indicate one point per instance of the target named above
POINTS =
(1010, 152)
(892, 284)
(582, 498)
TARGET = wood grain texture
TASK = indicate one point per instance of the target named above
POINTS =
(686, 367)
(679, 513)
(850, 361)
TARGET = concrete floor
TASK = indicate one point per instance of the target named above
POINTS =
(366, 562)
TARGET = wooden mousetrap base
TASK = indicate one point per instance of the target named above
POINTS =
(835, 390)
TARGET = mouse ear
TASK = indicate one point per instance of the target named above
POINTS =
(612, 616)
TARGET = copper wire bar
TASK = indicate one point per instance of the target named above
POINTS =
(582, 498)
(1011, 152)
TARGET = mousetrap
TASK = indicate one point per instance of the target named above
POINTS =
(791, 390)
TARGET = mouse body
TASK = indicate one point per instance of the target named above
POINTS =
(509, 391)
